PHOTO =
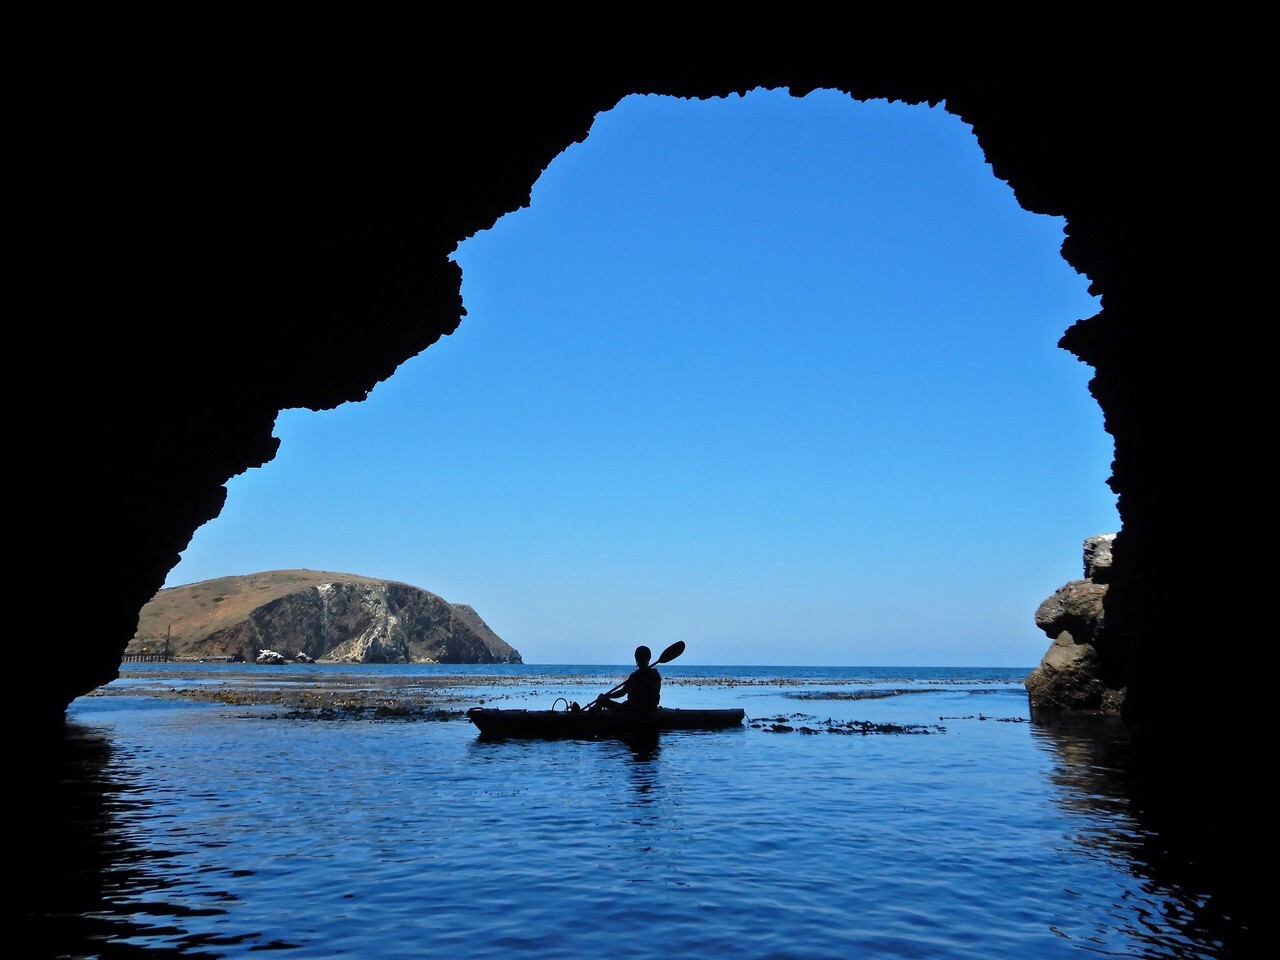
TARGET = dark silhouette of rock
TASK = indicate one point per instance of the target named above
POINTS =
(219, 245)
(304, 251)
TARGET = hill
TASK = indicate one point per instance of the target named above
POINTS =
(316, 615)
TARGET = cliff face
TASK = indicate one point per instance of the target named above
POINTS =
(321, 616)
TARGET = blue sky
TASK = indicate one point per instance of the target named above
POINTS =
(777, 377)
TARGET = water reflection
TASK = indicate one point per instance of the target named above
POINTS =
(84, 883)
(644, 747)
(1159, 820)
(91, 882)
(643, 771)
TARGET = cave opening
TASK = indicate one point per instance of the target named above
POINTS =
(777, 373)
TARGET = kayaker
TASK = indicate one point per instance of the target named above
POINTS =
(643, 689)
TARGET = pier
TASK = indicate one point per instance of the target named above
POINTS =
(147, 655)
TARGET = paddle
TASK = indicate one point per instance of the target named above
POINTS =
(666, 656)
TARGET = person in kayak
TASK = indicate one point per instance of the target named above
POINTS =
(643, 689)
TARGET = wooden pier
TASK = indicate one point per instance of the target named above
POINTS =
(147, 655)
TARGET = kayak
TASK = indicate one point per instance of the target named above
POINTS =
(589, 724)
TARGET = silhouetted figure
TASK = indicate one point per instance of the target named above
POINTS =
(643, 689)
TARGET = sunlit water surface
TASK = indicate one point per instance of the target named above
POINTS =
(197, 828)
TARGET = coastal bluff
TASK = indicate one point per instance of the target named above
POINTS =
(313, 615)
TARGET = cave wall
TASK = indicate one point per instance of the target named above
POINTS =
(240, 241)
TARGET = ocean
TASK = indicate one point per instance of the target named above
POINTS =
(309, 811)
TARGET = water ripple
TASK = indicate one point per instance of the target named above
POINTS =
(208, 831)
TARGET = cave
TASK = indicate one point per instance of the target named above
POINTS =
(237, 240)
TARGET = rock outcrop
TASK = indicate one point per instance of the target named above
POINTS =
(306, 615)
(1071, 676)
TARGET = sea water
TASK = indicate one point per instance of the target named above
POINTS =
(879, 813)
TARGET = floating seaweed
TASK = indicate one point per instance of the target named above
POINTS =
(809, 725)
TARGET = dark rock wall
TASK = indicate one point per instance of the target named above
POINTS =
(254, 239)
(213, 228)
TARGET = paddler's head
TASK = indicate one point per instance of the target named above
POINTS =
(643, 656)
